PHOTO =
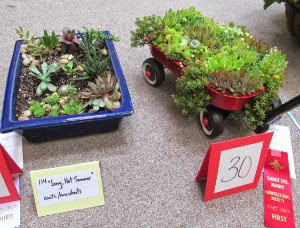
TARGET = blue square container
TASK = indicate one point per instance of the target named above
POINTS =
(43, 129)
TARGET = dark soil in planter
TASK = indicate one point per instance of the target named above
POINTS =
(29, 83)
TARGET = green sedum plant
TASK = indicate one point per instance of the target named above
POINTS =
(73, 107)
(98, 104)
(52, 100)
(190, 94)
(99, 37)
(37, 109)
(44, 76)
(54, 110)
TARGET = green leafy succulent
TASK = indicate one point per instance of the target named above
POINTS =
(97, 104)
(50, 42)
(273, 64)
(54, 110)
(73, 107)
(52, 100)
(190, 93)
(66, 90)
(99, 37)
(69, 68)
(148, 27)
(44, 76)
(37, 109)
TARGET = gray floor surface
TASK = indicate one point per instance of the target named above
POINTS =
(148, 164)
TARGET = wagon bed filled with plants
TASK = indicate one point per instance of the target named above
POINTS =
(59, 85)
(220, 68)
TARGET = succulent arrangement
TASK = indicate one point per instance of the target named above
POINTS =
(65, 75)
(222, 56)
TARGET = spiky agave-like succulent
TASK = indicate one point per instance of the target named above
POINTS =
(104, 93)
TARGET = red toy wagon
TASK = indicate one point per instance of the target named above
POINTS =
(211, 117)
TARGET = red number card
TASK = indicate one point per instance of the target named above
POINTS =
(235, 165)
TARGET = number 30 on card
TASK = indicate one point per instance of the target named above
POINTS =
(235, 165)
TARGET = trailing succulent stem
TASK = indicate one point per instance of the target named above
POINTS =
(99, 37)
(191, 95)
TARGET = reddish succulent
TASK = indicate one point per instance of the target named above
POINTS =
(69, 37)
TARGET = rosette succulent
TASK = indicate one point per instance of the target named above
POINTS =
(44, 76)
(104, 92)
(69, 37)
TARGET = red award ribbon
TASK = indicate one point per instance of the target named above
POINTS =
(278, 203)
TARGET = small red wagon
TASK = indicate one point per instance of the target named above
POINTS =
(211, 117)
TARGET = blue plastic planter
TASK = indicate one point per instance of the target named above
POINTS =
(37, 130)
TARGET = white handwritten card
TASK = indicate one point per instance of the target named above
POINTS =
(67, 188)
(238, 166)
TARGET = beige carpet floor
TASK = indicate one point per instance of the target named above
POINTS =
(148, 164)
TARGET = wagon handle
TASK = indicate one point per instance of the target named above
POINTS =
(287, 106)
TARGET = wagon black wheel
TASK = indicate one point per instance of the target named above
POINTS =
(264, 128)
(153, 72)
(211, 121)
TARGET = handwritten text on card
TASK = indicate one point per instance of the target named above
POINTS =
(238, 166)
(67, 187)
